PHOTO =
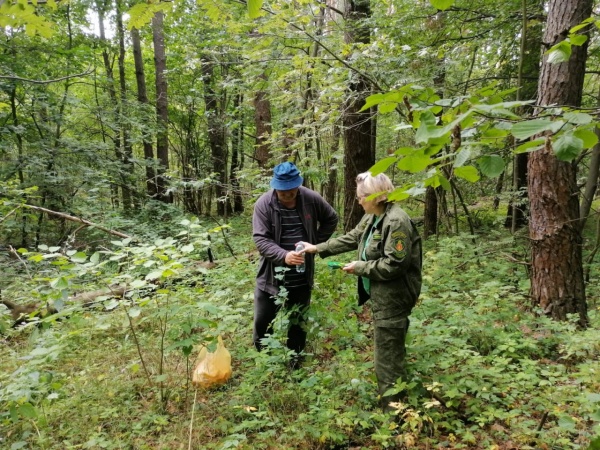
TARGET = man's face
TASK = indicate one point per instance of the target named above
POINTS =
(287, 196)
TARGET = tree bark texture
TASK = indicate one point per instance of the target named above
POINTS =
(237, 153)
(262, 120)
(557, 283)
(127, 168)
(528, 76)
(359, 141)
(591, 183)
(142, 96)
(216, 137)
(162, 105)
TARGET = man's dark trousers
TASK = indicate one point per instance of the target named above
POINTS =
(265, 311)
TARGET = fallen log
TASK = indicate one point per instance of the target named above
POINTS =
(23, 313)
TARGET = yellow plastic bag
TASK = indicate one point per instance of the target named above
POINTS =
(213, 369)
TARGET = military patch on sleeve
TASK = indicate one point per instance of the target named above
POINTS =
(399, 238)
(398, 235)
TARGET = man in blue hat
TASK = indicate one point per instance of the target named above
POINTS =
(283, 216)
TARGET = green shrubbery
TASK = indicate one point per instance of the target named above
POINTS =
(486, 368)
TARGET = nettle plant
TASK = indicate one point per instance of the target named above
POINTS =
(472, 135)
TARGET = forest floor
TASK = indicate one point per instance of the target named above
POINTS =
(487, 370)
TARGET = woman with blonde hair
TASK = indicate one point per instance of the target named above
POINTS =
(388, 268)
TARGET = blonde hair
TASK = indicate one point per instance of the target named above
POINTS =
(367, 185)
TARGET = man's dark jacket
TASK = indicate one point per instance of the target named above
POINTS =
(318, 218)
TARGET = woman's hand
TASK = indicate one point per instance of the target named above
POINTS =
(308, 247)
(349, 268)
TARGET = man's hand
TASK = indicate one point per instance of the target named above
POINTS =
(294, 258)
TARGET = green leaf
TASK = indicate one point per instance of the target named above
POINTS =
(491, 165)
(438, 180)
(588, 137)
(60, 283)
(27, 410)
(428, 129)
(79, 257)
(528, 128)
(566, 423)
(415, 162)
(187, 248)
(578, 118)
(136, 284)
(373, 100)
(530, 146)
(387, 107)
(154, 275)
(462, 157)
(578, 39)
(382, 165)
(559, 53)
(111, 305)
(442, 5)
(254, 8)
(468, 173)
(567, 147)
(594, 444)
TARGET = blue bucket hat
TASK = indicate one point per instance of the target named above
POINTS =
(286, 176)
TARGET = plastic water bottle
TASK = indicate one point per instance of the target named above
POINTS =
(300, 268)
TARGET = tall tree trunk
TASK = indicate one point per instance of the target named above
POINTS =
(591, 183)
(127, 168)
(112, 92)
(528, 74)
(237, 152)
(332, 172)
(162, 107)
(358, 129)
(216, 137)
(557, 283)
(262, 119)
(431, 210)
(142, 95)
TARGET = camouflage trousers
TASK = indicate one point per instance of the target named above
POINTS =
(390, 355)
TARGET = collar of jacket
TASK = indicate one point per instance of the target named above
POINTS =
(388, 206)
(275, 201)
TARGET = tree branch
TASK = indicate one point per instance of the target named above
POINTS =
(56, 80)
(77, 219)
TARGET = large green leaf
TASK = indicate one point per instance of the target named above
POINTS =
(578, 118)
(567, 147)
(530, 146)
(468, 173)
(588, 137)
(442, 5)
(254, 8)
(462, 157)
(491, 165)
(559, 53)
(415, 162)
(382, 165)
(373, 100)
(524, 130)
(438, 180)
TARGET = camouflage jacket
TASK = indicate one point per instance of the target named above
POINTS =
(393, 261)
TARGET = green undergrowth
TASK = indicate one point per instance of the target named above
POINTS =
(487, 371)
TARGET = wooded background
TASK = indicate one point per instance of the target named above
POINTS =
(118, 116)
